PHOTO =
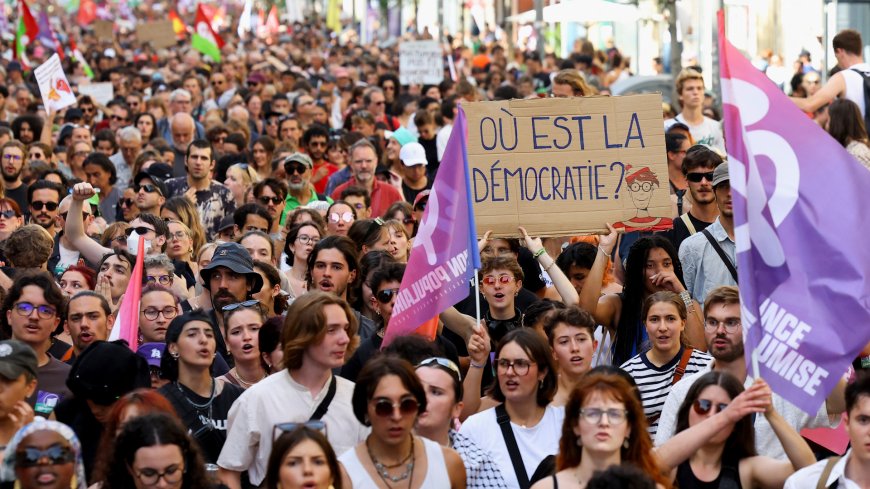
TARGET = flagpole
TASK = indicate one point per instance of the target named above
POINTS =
(476, 300)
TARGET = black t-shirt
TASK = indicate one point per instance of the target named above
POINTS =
(207, 424)
(431, 148)
(410, 194)
(680, 232)
(19, 195)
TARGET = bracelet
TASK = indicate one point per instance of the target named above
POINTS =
(539, 252)
(474, 365)
(687, 299)
(605, 253)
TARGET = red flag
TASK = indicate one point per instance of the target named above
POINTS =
(272, 21)
(87, 12)
(28, 27)
(127, 323)
(177, 24)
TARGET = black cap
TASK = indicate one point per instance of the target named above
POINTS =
(155, 178)
(226, 223)
(106, 371)
(17, 358)
(236, 258)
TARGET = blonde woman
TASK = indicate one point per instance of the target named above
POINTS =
(240, 178)
(399, 234)
(180, 246)
(180, 209)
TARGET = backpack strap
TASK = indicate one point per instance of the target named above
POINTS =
(722, 255)
(865, 76)
(504, 422)
(688, 222)
(324, 404)
(678, 374)
(829, 466)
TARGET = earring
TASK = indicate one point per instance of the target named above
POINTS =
(174, 355)
(625, 444)
(579, 442)
(541, 384)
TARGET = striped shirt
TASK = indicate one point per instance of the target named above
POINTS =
(655, 383)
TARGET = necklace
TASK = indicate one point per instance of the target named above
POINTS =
(384, 472)
(242, 381)
(208, 423)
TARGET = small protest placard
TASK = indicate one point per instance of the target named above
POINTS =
(103, 29)
(102, 93)
(566, 166)
(159, 33)
(53, 85)
(421, 62)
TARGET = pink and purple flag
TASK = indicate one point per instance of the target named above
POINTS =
(444, 256)
(799, 212)
(127, 323)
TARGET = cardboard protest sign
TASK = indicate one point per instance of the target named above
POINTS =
(102, 93)
(566, 166)
(421, 62)
(53, 85)
(103, 29)
(159, 33)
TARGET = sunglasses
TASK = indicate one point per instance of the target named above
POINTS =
(85, 215)
(409, 220)
(421, 205)
(281, 428)
(56, 454)
(233, 307)
(704, 406)
(291, 169)
(126, 202)
(140, 230)
(345, 216)
(442, 362)
(696, 177)
(8, 214)
(148, 188)
(386, 295)
(270, 200)
(38, 205)
(407, 406)
(503, 279)
(118, 118)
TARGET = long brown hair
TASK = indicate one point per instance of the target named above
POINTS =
(846, 123)
(639, 451)
(741, 443)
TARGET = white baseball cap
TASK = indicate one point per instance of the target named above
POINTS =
(413, 154)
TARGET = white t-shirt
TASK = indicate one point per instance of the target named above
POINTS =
(708, 132)
(68, 258)
(534, 443)
(855, 84)
(766, 442)
(441, 139)
(280, 399)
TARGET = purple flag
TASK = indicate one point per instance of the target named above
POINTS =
(444, 255)
(799, 201)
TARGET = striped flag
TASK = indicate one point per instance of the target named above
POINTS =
(80, 59)
(127, 323)
(27, 31)
(205, 39)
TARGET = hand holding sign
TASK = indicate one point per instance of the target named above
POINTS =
(53, 85)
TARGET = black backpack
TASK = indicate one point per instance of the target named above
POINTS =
(866, 77)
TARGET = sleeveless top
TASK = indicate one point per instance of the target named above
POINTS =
(686, 478)
(855, 84)
(436, 470)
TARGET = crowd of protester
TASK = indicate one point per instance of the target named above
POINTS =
(277, 210)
